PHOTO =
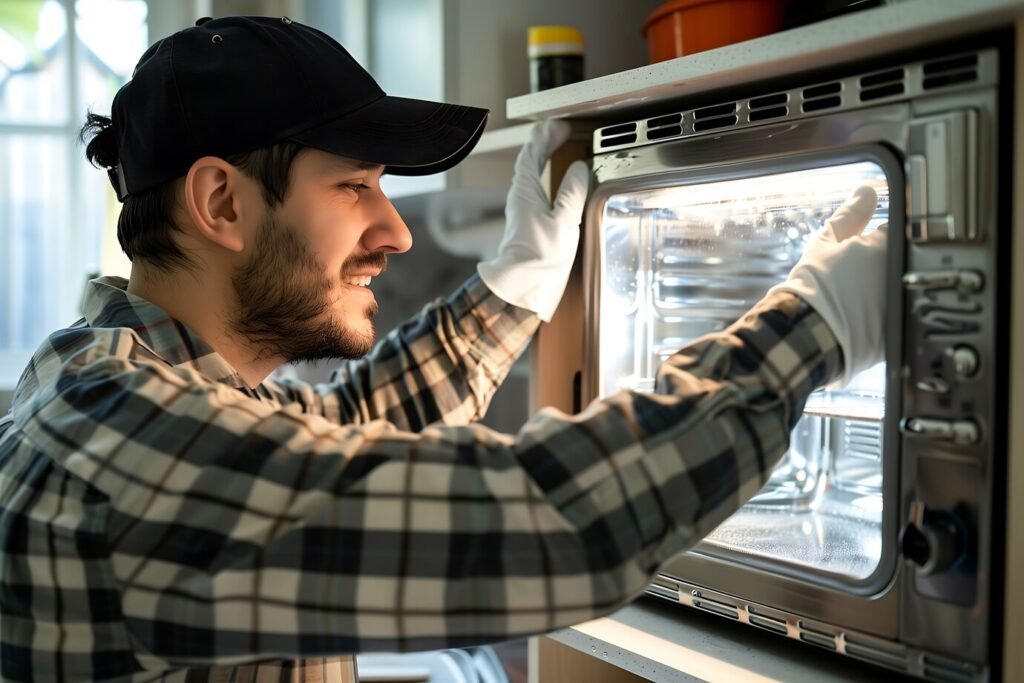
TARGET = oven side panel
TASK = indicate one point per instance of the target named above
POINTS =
(556, 352)
(1013, 635)
(951, 337)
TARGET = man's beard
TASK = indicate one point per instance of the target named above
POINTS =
(284, 297)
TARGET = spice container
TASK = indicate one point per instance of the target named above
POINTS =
(556, 56)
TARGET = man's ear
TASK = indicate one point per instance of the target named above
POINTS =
(213, 190)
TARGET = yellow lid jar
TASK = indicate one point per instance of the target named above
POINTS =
(556, 56)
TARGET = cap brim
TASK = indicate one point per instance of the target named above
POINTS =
(409, 137)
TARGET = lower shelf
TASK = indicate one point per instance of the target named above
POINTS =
(666, 643)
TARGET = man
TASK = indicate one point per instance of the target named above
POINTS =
(168, 513)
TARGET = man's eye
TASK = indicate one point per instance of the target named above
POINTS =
(358, 187)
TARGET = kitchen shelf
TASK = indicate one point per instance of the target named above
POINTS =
(861, 35)
(668, 643)
(503, 142)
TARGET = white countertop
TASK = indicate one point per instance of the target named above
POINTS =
(865, 34)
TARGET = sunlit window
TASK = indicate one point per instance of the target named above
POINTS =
(57, 213)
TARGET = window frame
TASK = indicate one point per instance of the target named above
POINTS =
(14, 360)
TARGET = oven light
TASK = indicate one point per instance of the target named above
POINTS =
(814, 187)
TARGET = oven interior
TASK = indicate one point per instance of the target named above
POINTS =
(683, 261)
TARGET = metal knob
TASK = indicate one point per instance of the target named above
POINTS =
(960, 432)
(965, 360)
(934, 540)
(963, 280)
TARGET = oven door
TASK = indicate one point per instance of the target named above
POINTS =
(685, 246)
(681, 237)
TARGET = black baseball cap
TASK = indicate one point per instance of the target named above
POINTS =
(231, 85)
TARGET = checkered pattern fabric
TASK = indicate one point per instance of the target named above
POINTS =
(159, 520)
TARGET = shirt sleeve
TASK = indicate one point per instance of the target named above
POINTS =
(443, 365)
(240, 531)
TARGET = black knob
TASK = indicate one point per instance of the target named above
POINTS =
(915, 545)
(934, 540)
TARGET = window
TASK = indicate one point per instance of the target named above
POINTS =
(58, 58)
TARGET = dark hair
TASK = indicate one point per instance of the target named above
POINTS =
(146, 222)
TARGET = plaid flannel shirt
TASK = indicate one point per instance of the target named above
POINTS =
(159, 520)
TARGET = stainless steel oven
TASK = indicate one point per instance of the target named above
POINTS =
(875, 535)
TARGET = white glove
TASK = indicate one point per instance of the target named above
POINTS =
(539, 245)
(842, 276)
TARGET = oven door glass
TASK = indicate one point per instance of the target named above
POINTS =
(683, 261)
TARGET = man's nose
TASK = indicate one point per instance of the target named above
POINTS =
(389, 233)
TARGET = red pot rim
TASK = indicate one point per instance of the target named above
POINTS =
(674, 6)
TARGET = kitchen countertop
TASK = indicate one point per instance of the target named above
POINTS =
(672, 643)
(860, 35)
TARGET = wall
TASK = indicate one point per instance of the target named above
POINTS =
(486, 56)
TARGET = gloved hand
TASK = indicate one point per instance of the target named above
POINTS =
(842, 276)
(537, 251)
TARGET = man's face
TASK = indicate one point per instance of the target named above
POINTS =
(303, 291)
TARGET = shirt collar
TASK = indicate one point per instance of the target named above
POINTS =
(107, 303)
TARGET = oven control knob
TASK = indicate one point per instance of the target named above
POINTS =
(959, 432)
(934, 539)
(962, 280)
(933, 385)
(965, 360)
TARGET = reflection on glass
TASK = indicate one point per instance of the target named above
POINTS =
(681, 262)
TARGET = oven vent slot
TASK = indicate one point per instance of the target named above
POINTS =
(618, 140)
(662, 127)
(659, 121)
(621, 134)
(664, 588)
(619, 129)
(718, 116)
(950, 71)
(883, 84)
(815, 637)
(766, 622)
(715, 606)
(857, 91)
(888, 655)
(941, 669)
(819, 97)
(768, 107)
(665, 132)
